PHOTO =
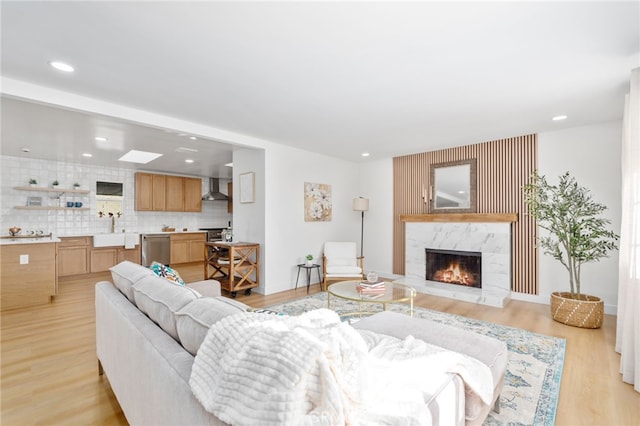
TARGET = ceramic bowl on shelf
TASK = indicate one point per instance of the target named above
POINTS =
(78, 204)
(13, 231)
(69, 203)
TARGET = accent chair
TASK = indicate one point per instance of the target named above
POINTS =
(340, 263)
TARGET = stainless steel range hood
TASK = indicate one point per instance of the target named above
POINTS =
(214, 193)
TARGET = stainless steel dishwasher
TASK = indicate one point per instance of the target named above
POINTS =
(156, 247)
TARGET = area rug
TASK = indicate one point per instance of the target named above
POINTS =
(532, 381)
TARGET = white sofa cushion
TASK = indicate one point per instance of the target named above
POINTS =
(159, 299)
(125, 274)
(207, 288)
(340, 254)
(343, 270)
(194, 320)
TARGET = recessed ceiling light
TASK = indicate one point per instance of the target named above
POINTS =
(141, 157)
(184, 149)
(101, 139)
(25, 149)
(229, 164)
(86, 154)
(365, 154)
(193, 138)
(188, 160)
(559, 117)
(61, 66)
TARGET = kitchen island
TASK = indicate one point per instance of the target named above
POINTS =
(28, 271)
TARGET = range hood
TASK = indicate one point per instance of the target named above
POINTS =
(214, 193)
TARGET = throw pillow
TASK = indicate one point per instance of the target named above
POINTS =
(163, 271)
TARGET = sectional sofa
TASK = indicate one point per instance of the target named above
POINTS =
(148, 332)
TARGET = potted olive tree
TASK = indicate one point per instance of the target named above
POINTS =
(577, 235)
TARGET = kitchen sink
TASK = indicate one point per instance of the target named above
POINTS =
(115, 239)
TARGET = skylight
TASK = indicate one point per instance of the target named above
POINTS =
(141, 157)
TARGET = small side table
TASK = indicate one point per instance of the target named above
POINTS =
(308, 268)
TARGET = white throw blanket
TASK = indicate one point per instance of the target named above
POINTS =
(313, 369)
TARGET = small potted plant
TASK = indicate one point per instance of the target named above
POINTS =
(309, 258)
(33, 182)
(55, 184)
(76, 185)
(577, 235)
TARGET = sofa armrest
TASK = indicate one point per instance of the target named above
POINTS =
(207, 288)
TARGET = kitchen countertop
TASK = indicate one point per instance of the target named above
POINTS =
(42, 240)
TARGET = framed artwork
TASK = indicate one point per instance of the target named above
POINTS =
(317, 202)
(247, 187)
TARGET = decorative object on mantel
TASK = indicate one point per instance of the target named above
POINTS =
(361, 204)
(317, 202)
(577, 235)
(33, 182)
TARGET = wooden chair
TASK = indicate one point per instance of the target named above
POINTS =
(340, 263)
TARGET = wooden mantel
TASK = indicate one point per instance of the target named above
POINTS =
(460, 217)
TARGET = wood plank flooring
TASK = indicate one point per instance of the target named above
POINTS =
(48, 373)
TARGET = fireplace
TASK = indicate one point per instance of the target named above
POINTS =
(454, 267)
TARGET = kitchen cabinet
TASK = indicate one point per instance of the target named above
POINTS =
(150, 192)
(187, 247)
(157, 192)
(73, 256)
(192, 194)
(103, 258)
(28, 273)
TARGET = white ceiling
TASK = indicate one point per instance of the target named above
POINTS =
(338, 78)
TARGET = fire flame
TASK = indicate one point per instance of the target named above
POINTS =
(455, 275)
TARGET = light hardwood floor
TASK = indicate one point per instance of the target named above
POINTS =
(49, 370)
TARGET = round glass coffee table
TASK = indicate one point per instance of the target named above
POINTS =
(393, 293)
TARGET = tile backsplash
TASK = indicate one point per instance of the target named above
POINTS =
(16, 171)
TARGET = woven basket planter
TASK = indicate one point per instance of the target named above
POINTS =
(585, 312)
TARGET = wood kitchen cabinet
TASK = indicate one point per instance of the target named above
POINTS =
(187, 247)
(77, 256)
(31, 283)
(150, 192)
(73, 256)
(103, 258)
(192, 194)
(159, 191)
(175, 194)
(156, 192)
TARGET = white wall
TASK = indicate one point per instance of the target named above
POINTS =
(375, 181)
(249, 220)
(591, 154)
(288, 238)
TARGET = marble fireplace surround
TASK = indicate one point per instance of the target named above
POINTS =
(487, 233)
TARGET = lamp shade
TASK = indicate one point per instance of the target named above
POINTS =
(361, 204)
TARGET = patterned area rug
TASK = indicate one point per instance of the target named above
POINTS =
(532, 382)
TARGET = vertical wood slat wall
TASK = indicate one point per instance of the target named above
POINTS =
(503, 167)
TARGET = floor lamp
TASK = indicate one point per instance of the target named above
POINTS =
(361, 204)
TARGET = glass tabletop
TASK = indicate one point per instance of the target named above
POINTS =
(393, 292)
